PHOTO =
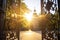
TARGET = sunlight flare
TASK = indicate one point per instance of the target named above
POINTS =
(28, 17)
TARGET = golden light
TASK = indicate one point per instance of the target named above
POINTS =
(29, 30)
(28, 17)
(30, 35)
(14, 15)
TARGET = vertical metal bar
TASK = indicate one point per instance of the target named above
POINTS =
(41, 6)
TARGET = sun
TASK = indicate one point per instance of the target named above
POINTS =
(28, 17)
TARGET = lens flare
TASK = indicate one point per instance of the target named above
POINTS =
(28, 17)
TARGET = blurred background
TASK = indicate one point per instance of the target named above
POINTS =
(24, 15)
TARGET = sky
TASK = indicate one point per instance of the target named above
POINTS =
(33, 4)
